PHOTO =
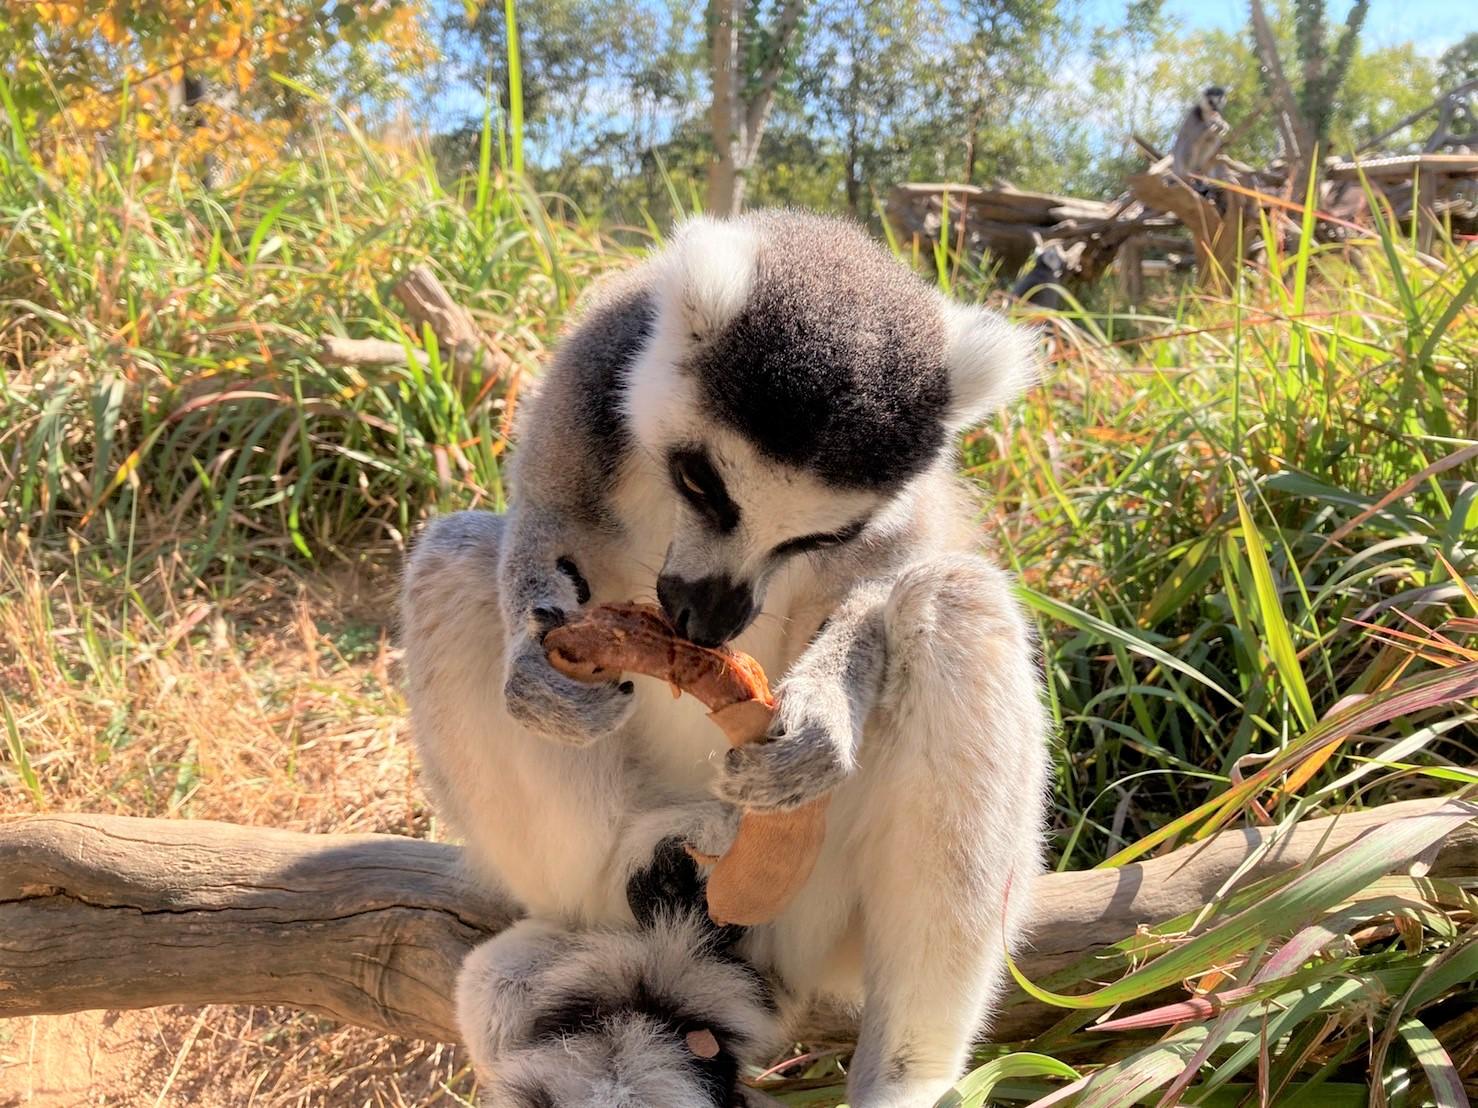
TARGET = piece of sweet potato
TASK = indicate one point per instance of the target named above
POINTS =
(773, 853)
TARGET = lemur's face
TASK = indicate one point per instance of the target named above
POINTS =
(737, 519)
(796, 379)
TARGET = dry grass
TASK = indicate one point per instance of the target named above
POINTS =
(276, 707)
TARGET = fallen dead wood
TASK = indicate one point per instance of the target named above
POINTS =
(113, 912)
(460, 341)
(1206, 200)
(364, 353)
(1220, 237)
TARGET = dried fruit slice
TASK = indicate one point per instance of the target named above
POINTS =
(773, 853)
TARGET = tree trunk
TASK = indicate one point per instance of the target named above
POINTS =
(970, 142)
(738, 122)
(1294, 130)
(113, 912)
(854, 178)
(723, 172)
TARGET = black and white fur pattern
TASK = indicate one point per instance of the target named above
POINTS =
(757, 425)
(1201, 134)
(605, 1017)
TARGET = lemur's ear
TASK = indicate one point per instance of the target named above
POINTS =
(990, 362)
(711, 270)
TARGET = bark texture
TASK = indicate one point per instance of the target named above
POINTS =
(116, 912)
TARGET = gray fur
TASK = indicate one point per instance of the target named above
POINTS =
(825, 701)
(907, 683)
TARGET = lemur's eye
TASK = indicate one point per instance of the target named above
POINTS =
(689, 484)
(694, 477)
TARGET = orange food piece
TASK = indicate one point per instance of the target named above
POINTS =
(773, 853)
(612, 639)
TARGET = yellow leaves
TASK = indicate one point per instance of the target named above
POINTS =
(127, 62)
(109, 27)
(228, 45)
(61, 15)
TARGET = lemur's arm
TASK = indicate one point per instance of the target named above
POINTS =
(824, 702)
(559, 522)
(541, 584)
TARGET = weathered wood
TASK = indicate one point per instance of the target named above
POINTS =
(1428, 220)
(1403, 167)
(1444, 99)
(113, 912)
(364, 353)
(1220, 238)
(100, 911)
(1130, 263)
(460, 341)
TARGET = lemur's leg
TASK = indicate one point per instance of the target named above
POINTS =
(559, 826)
(948, 778)
(488, 775)
(954, 776)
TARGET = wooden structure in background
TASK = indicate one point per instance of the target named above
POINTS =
(1165, 221)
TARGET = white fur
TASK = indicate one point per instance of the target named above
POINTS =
(705, 275)
(990, 362)
(938, 815)
(711, 270)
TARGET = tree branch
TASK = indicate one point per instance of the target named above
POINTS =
(112, 912)
(757, 110)
(1292, 126)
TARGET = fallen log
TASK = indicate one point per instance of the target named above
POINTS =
(115, 912)
(365, 353)
(1221, 238)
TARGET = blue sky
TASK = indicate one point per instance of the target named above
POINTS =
(1432, 24)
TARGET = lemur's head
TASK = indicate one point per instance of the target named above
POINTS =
(797, 378)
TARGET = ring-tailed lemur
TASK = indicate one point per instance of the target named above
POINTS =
(758, 425)
(1201, 134)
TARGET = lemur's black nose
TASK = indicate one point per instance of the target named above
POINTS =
(710, 611)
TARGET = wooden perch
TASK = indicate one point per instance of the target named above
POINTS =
(114, 912)
(1220, 239)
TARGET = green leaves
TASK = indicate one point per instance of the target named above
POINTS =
(1294, 905)
(974, 1090)
(1276, 632)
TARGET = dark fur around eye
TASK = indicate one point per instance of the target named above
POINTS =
(697, 482)
(805, 543)
(567, 566)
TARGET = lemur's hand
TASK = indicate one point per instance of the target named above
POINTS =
(807, 753)
(545, 700)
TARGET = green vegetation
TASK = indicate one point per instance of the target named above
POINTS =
(1246, 525)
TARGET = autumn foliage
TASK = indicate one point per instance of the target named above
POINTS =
(187, 80)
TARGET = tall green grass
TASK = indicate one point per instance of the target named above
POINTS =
(160, 386)
(1246, 525)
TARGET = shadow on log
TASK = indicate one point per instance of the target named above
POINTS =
(114, 912)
